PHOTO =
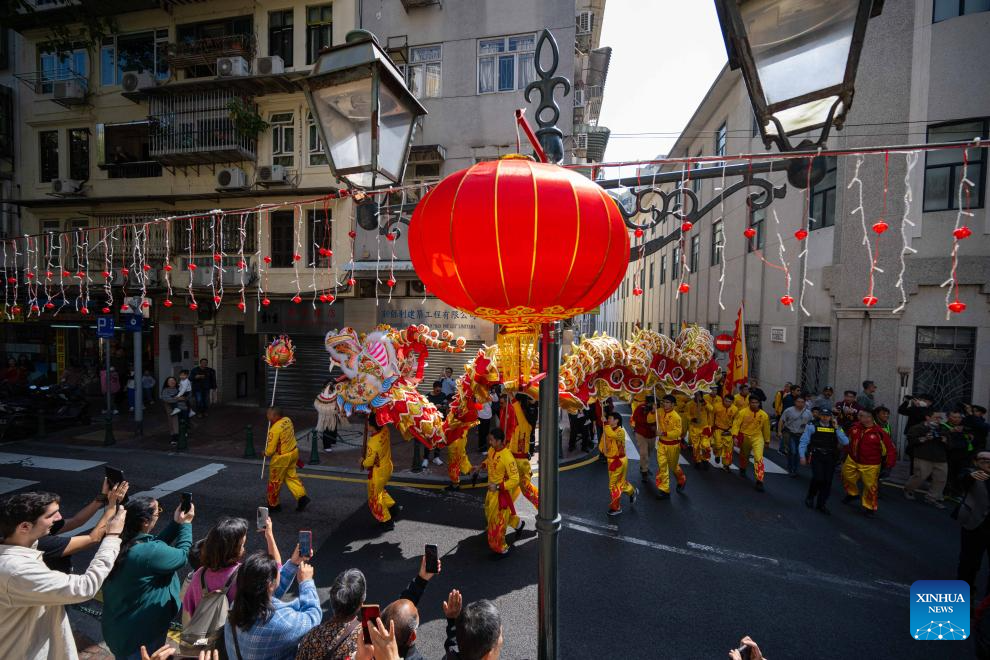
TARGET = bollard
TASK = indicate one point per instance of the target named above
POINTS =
(417, 461)
(314, 451)
(249, 442)
(108, 438)
(183, 433)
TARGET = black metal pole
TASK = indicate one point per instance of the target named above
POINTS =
(548, 516)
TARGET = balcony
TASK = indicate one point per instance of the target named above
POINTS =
(196, 129)
(204, 52)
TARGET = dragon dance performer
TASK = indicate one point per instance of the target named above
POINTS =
(378, 462)
(284, 453)
(752, 425)
(503, 485)
(519, 430)
(700, 415)
(457, 460)
(869, 448)
(669, 433)
(725, 411)
(614, 450)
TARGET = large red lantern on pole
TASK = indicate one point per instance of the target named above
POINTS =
(519, 243)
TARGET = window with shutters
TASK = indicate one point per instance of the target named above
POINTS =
(585, 22)
(283, 130)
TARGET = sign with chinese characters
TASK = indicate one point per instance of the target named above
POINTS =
(401, 312)
(286, 317)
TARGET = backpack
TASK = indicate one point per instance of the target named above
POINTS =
(204, 632)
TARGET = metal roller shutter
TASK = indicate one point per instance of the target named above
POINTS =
(439, 360)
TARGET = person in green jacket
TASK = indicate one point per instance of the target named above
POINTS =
(141, 594)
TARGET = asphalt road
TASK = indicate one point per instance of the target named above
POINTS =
(684, 578)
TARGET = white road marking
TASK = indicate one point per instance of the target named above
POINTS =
(160, 491)
(593, 523)
(48, 463)
(786, 569)
(10, 485)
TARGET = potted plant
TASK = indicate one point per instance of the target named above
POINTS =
(245, 118)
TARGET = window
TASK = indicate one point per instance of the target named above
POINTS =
(505, 63)
(695, 253)
(943, 168)
(815, 358)
(280, 35)
(320, 236)
(314, 145)
(822, 209)
(283, 139)
(423, 71)
(663, 268)
(943, 364)
(280, 226)
(48, 150)
(946, 9)
(6, 122)
(651, 274)
(696, 183)
(140, 52)
(65, 65)
(757, 220)
(123, 150)
(753, 349)
(675, 263)
(207, 238)
(718, 242)
(204, 41)
(79, 154)
(319, 24)
(720, 138)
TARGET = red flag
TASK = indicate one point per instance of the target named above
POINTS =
(738, 368)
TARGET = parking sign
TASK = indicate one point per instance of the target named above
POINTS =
(104, 327)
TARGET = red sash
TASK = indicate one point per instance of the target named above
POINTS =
(505, 499)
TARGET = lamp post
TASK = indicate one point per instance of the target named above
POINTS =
(364, 112)
(799, 60)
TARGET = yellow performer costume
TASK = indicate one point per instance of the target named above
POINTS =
(721, 433)
(281, 448)
(614, 441)
(519, 447)
(378, 463)
(500, 512)
(457, 459)
(670, 430)
(755, 430)
(700, 421)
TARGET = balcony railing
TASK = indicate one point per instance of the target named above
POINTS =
(204, 52)
(197, 129)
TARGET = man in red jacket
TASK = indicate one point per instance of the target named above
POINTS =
(869, 447)
(644, 422)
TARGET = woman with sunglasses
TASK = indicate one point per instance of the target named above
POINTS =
(141, 594)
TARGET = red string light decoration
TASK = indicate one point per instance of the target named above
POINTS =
(960, 232)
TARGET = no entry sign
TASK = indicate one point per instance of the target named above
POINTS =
(723, 342)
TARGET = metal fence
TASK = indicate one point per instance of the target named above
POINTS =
(197, 128)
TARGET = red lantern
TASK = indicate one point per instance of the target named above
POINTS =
(786, 301)
(83, 311)
(331, 297)
(49, 305)
(962, 232)
(296, 299)
(390, 236)
(637, 291)
(749, 233)
(352, 234)
(266, 259)
(167, 303)
(240, 306)
(390, 282)
(217, 257)
(192, 266)
(168, 268)
(519, 243)
(684, 287)
(266, 302)
(638, 233)
(801, 234)
(193, 306)
(146, 267)
(880, 227)
(957, 307)
(869, 301)
(686, 227)
(216, 299)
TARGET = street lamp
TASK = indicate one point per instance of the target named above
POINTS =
(364, 112)
(799, 59)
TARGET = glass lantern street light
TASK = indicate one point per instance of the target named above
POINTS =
(364, 112)
(799, 59)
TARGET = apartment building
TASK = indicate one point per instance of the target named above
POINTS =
(166, 117)
(918, 82)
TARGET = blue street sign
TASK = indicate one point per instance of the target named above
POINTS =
(104, 327)
(132, 322)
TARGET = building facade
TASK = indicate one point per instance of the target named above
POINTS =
(908, 91)
(195, 110)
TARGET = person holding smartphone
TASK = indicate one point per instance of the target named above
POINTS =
(378, 462)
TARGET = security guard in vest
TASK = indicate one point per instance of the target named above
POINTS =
(820, 445)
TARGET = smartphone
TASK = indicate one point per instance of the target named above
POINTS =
(432, 558)
(262, 522)
(114, 476)
(368, 614)
(186, 503)
(744, 652)
(305, 543)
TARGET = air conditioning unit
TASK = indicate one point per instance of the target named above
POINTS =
(585, 22)
(67, 186)
(266, 66)
(578, 98)
(132, 81)
(272, 175)
(580, 140)
(69, 90)
(231, 276)
(231, 178)
(229, 67)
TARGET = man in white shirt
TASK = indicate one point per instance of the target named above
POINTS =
(791, 426)
(447, 384)
(33, 623)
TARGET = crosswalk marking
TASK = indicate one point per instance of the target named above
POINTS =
(48, 462)
(10, 485)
